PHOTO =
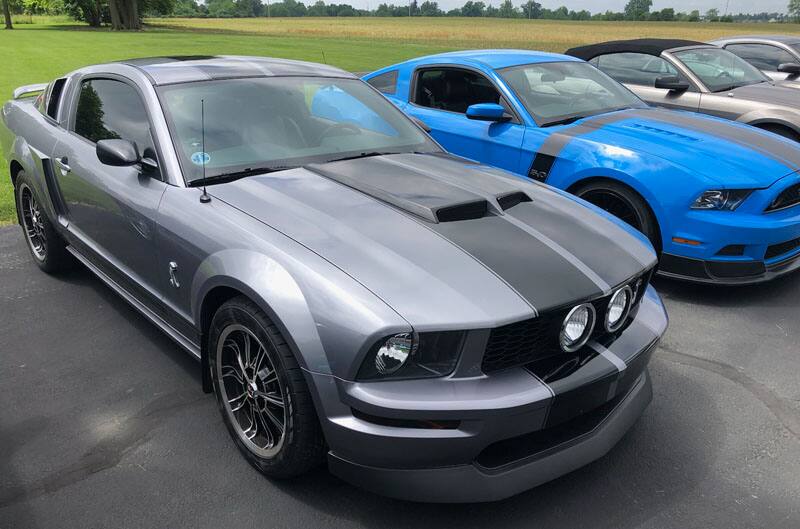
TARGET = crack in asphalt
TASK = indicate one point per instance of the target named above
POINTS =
(780, 407)
(107, 453)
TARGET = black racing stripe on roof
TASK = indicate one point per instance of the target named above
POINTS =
(648, 46)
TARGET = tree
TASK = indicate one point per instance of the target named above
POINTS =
(93, 12)
(7, 14)
(637, 9)
(507, 10)
(794, 9)
(472, 9)
(531, 9)
(712, 15)
(694, 16)
(668, 14)
(430, 9)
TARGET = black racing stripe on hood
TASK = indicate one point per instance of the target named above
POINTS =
(548, 153)
(772, 146)
(587, 237)
(540, 274)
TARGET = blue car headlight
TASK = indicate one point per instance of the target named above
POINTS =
(721, 199)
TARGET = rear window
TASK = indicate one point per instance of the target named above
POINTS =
(385, 82)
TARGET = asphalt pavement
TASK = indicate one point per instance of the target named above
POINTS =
(103, 424)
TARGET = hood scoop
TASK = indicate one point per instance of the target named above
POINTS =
(416, 192)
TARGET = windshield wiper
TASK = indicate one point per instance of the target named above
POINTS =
(366, 154)
(235, 175)
(565, 121)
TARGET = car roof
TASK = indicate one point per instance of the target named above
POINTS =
(647, 46)
(184, 69)
(494, 59)
(786, 39)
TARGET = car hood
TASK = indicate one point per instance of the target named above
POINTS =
(731, 154)
(775, 94)
(428, 235)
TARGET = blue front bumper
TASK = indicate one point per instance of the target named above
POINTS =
(747, 245)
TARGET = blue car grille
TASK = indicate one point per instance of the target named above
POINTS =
(523, 342)
(779, 249)
(786, 199)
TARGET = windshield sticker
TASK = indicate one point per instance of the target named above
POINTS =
(201, 158)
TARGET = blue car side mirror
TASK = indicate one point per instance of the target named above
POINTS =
(487, 112)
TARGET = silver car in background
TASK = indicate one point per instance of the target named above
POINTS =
(699, 77)
(778, 56)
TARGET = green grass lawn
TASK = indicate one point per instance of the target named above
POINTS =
(38, 53)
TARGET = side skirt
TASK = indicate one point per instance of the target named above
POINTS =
(179, 338)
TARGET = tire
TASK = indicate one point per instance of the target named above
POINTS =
(249, 405)
(624, 203)
(47, 247)
(781, 131)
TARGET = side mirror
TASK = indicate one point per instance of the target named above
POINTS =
(487, 112)
(118, 153)
(672, 83)
(791, 68)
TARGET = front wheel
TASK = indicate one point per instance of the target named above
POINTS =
(624, 203)
(47, 247)
(262, 393)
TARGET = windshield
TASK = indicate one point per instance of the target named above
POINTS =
(282, 122)
(720, 69)
(559, 92)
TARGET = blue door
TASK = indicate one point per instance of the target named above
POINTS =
(440, 98)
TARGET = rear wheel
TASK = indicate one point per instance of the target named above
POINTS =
(45, 244)
(262, 393)
(624, 203)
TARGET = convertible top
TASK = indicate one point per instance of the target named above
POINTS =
(171, 70)
(647, 46)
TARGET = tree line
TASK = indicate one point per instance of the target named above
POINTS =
(128, 14)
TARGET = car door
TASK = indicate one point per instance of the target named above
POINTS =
(765, 57)
(440, 97)
(111, 211)
(639, 72)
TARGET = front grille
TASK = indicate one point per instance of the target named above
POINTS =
(523, 342)
(786, 199)
(779, 249)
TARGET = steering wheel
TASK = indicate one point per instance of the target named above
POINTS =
(723, 74)
(343, 129)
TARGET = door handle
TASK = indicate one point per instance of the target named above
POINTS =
(63, 164)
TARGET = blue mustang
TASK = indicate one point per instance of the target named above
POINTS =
(719, 200)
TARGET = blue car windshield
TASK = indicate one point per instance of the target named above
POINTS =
(261, 124)
(720, 70)
(560, 92)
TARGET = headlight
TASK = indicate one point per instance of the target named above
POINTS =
(721, 199)
(618, 308)
(393, 353)
(412, 355)
(577, 327)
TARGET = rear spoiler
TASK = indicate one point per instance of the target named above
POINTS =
(29, 90)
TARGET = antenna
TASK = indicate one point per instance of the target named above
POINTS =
(204, 198)
(323, 56)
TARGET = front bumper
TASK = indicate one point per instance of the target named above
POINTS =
(489, 437)
(737, 247)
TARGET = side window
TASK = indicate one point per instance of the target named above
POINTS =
(635, 68)
(453, 90)
(49, 101)
(385, 82)
(762, 56)
(109, 109)
(335, 105)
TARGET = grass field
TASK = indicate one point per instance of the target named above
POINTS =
(44, 48)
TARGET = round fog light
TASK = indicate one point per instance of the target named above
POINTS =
(577, 327)
(618, 308)
(393, 354)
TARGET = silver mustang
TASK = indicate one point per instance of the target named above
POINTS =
(689, 75)
(440, 330)
(778, 56)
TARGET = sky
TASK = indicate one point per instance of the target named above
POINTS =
(595, 6)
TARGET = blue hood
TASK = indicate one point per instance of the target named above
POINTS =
(732, 154)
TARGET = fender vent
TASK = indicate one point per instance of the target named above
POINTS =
(512, 199)
(466, 211)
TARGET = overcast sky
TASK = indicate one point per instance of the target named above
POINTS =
(595, 6)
